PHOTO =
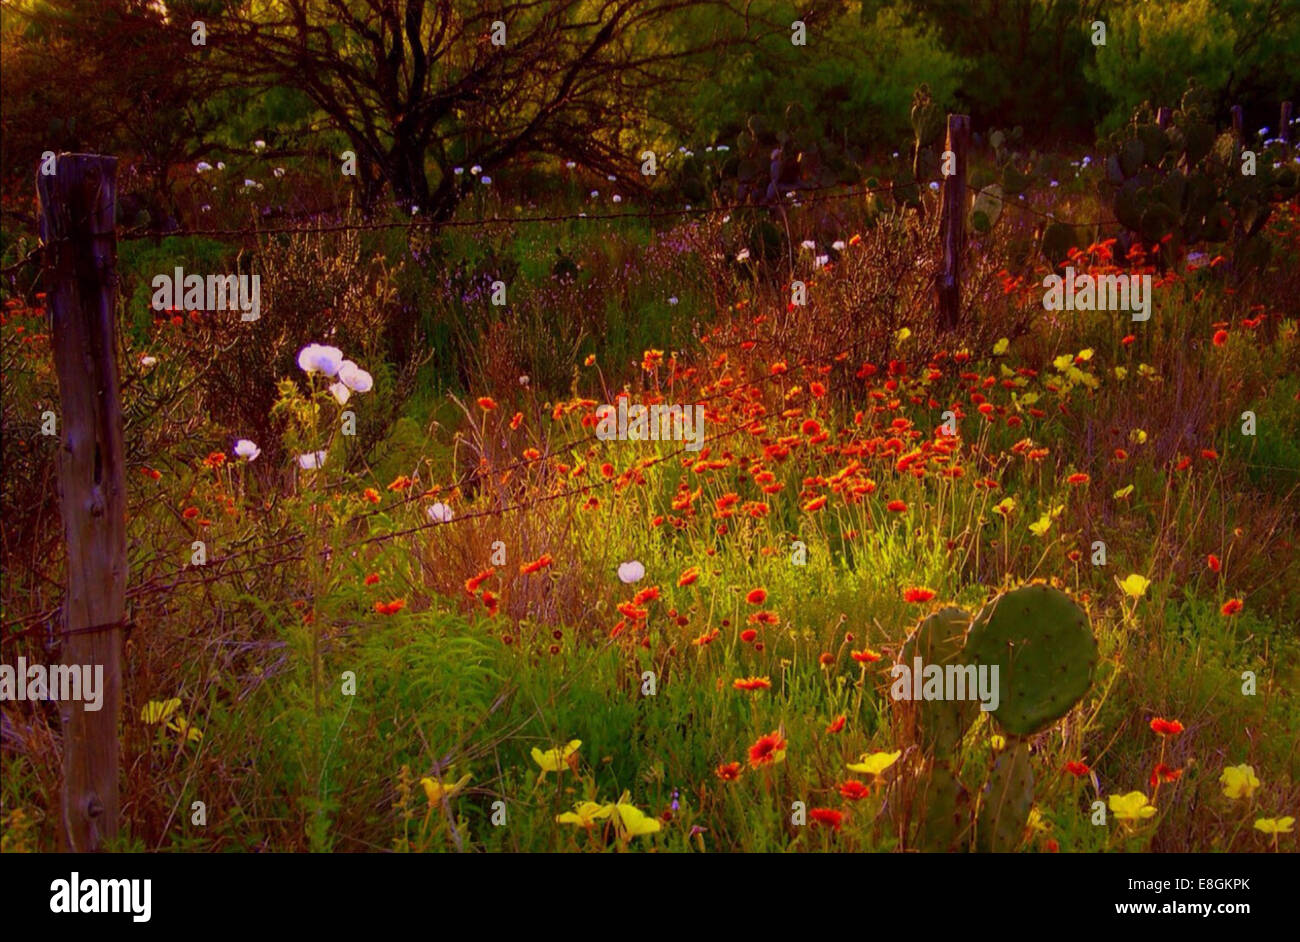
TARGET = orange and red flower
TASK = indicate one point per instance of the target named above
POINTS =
(767, 750)
(1166, 727)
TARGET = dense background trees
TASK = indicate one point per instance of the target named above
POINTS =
(417, 88)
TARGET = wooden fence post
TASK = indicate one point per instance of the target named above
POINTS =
(77, 207)
(1284, 123)
(952, 222)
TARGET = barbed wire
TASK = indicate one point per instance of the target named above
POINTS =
(207, 573)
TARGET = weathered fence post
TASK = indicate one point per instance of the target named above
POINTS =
(77, 206)
(952, 221)
(1284, 123)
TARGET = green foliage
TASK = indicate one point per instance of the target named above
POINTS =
(1241, 50)
(858, 74)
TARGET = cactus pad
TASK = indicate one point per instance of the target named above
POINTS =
(1045, 652)
(939, 639)
(943, 809)
(1007, 800)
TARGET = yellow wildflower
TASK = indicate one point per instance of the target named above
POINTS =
(1131, 807)
(875, 763)
(1238, 781)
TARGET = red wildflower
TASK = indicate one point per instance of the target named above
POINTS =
(536, 565)
(486, 403)
(752, 683)
(836, 724)
(1232, 607)
(756, 596)
(372, 578)
(728, 771)
(371, 495)
(1077, 769)
(688, 577)
(919, 595)
(896, 506)
(1166, 727)
(748, 635)
(1163, 773)
(189, 513)
(390, 608)
(1213, 562)
(767, 750)
(1078, 478)
(1220, 338)
(865, 656)
(854, 790)
(827, 817)
(473, 582)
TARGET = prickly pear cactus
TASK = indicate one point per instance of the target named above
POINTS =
(928, 126)
(1045, 652)
(1007, 799)
(940, 639)
(1181, 184)
(943, 811)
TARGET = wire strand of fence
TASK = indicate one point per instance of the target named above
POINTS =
(208, 573)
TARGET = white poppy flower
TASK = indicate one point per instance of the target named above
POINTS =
(742, 255)
(808, 244)
(221, 165)
(570, 164)
(819, 261)
(672, 301)
(630, 572)
(314, 459)
(524, 380)
(485, 180)
(355, 378)
(316, 358)
(617, 198)
(259, 144)
(723, 147)
(440, 513)
(278, 172)
(838, 245)
(202, 166)
(458, 170)
(147, 361)
(934, 185)
(246, 449)
(340, 393)
(595, 193)
(476, 170)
